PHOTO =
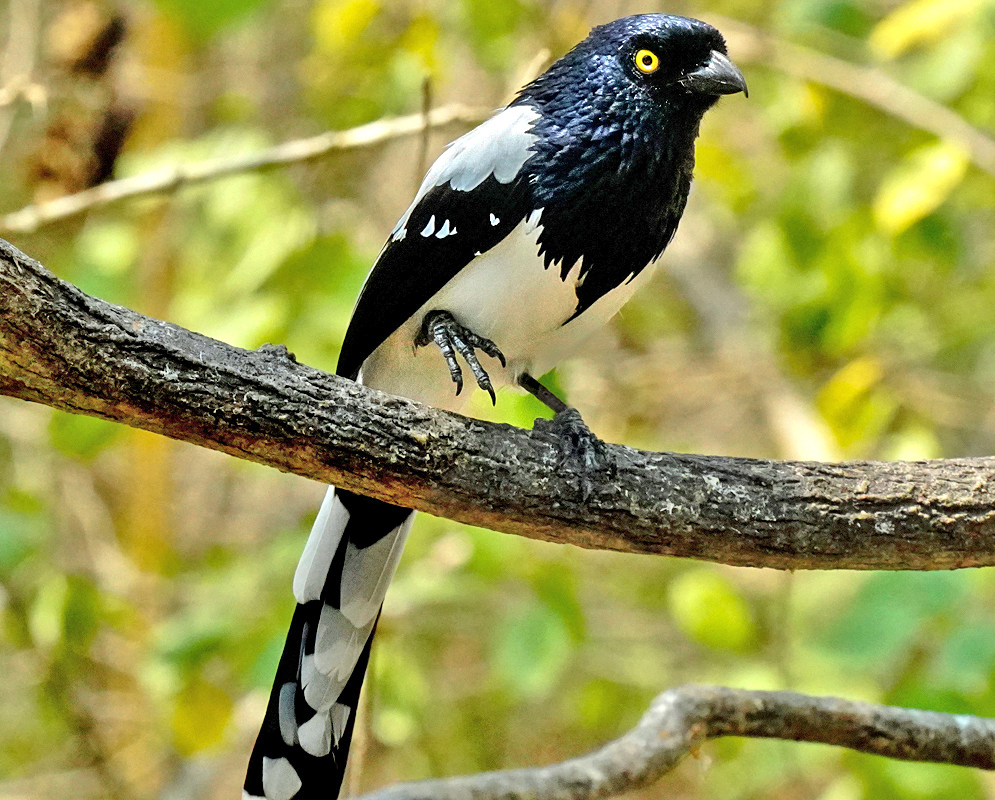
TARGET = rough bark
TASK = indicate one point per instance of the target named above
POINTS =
(682, 719)
(63, 348)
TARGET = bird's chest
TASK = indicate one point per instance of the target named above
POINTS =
(508, 295)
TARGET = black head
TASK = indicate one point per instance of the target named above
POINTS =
(614, 149)
(675, 64)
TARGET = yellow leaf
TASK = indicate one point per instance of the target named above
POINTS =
(200, 717)
(920, 22)
(919, 186)
(338, 23)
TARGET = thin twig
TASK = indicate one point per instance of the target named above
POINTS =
(682, 719)
(18, 62)
(169, 179)
(426, 109)
(868, 84)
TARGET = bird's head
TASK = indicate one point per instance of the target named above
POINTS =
(654, 67)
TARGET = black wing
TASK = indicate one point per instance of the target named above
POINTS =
(474, 195)
(444, 232)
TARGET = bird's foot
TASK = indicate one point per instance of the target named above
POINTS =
(581, 452)
(452, 338)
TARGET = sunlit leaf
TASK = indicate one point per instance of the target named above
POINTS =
(47, 611)
(920, 22)
(919, 186)
(708, 609)
(337, 23)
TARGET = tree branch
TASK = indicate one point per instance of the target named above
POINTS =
(169, 179)
(682, 719)
(65, 349)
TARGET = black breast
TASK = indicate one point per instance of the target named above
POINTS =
(611, 197)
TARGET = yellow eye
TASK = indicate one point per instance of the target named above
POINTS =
(647, 61)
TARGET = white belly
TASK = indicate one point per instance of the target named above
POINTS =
(504, 295)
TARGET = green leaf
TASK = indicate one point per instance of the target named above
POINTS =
(81, 436)
(709, 609)
(204, 19)
(532, 649)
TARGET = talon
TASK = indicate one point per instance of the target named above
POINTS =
(452, 338)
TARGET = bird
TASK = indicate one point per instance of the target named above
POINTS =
(525, 237)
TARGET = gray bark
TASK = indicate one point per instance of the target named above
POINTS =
(60, 347)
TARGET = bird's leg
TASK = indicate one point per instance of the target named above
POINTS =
(452, 338)
(578, 445)
(541, 393)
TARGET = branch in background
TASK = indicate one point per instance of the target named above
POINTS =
(65, 349)
(872, 86)
(682, 719)
(750, 44)
(169, 179)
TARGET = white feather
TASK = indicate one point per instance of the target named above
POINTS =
(280, 779)
(316, 734)
(367, 573)
(322, 542)
(340, 718)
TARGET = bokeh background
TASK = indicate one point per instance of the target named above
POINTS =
(830, 295)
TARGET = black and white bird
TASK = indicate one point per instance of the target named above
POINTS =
(526, 236)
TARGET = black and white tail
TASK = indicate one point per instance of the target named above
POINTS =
(341, 580)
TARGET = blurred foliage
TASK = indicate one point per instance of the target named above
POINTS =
(829, 295)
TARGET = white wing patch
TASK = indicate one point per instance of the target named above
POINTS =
(280, 779)
(322, 542)
(499, 147)
(494, 221)
(429, 228)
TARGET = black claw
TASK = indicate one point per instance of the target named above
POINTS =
(452, 338)
(582, 454)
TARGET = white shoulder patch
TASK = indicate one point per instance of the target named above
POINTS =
(499, 147)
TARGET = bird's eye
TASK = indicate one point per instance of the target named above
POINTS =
(647, 62)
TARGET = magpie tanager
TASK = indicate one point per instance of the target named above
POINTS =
(526, 235)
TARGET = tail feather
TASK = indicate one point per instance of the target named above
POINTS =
(347, 564)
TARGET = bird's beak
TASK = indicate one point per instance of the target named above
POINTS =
(718, 76)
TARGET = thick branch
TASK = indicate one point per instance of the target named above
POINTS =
(63, 348)
(681, 719)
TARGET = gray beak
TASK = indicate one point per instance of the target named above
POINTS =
(718, 76)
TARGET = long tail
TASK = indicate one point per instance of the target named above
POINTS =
(341, 580)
